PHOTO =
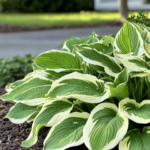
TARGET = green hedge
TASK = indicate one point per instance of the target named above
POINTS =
(15, 68)
(140, 18)
(147, 1)
(46, 5)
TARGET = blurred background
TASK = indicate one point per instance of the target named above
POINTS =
(34, 26)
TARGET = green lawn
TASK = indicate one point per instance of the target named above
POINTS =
(51, 19)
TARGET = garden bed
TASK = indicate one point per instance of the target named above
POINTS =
(12, 135)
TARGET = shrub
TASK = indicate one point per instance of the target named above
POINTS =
(95, 91)
(147, 1)
(14, 69)
(140, 18)
(46, 5)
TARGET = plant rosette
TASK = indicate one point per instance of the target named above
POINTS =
(94, 91)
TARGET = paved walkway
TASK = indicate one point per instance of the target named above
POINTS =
(12, 44)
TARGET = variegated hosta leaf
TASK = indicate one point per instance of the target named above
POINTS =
(47, 74)
(8, 88)
(139, 113)
(143, 31)
(104, 128)
(99, 69)
(34, 96)
(128, 40)
(57, 61)
(67, 133)
(134, 63)
(106, 49)
(99, 37)
(119, 88)
(147, 50)
(100, 59)
(69, 44)
(54, 75)
(135, 140)
(12, 86)
(138, 74)
(50, 114)
(93, 34)
(19, 113)
(92, 40)
(148, 78)
(108, 40)
(42, 74)
(33, 91)
(32, 117)
(85, 87)
(35, 67)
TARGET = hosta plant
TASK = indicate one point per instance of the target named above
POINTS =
(96, 90)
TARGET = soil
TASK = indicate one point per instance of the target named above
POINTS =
(18, 28)
(12, 135)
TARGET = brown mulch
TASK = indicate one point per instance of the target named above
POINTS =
(18, 28)
(12, 135)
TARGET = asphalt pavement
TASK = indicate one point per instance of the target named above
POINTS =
(36, 42)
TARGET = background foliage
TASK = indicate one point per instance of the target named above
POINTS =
(14, 68)
(46, 5)
(140, 18)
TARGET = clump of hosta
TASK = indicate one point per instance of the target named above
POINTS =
(96, 91)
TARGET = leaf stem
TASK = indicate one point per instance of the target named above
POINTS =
(78, 108)
(112, 100)
(148, 88)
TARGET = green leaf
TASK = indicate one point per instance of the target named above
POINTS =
(69, 44)
(147, 50)
(128, 40)
(85, 87)
(54, 75)
(57, 61)
(104, 128)
(50, 114)
(143, 31)
(34, 96)
(134, 63)
(119, 88)
(97, 58)
(47, 74)
(35, 67)
(32, 83)
(32, 117)
(106, 49)
(108, 39)
(93, 34)
(19, 113)
(42, 74)
(12, 86)
(67, 133)
(138, 74)
(137, 112)
(135, 140)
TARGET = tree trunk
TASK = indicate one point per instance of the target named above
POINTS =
(123, 8)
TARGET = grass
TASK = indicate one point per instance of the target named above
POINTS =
(61, 19)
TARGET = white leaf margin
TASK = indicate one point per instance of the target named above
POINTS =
(74, 114)
(85, 77)
(87, 129)
(132, 117)
(59, 69)
(140, 38)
